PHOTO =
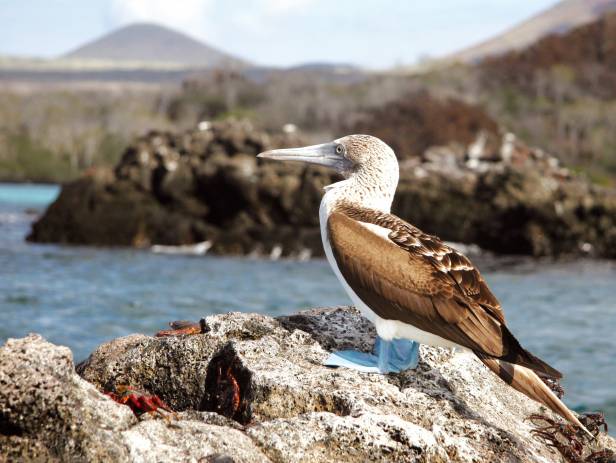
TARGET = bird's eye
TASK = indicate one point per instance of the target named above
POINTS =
(339, 149)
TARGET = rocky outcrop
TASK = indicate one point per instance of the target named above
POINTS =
(207, 185)
(252, 389)
(508, 198)
(585, 55)
(47, 412)
(418, 121)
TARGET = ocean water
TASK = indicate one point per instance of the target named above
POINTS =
(564, 312)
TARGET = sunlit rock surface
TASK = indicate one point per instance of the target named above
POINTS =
(252, 389)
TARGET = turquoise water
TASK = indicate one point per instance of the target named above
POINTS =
(27, 195)
(564, 312)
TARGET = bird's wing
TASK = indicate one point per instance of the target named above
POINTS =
(404, 274)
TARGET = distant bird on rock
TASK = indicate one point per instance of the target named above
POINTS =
(411, 285)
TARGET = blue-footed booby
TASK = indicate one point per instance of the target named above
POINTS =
(410, 284)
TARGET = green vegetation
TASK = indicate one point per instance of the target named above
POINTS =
(559, 95)
(52, 134)
(25, 159)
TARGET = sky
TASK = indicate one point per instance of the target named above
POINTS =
(375, 34)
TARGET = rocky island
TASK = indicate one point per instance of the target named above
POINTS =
(207, 186)
(251, 388)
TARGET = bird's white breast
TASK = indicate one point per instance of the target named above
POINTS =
(386, 329)
(324, 211)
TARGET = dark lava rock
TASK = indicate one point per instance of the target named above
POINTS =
(253, 389)
(177, 189)
(182, 189)
(512, 199)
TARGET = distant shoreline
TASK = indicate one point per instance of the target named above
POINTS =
(30, 182)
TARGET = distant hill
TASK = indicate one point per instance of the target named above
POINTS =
(152, 43)
(581, 62)
(559, 93)
(561, 18)
(326, 67)
(155, 54)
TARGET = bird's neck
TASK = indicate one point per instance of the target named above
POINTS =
(366, 189)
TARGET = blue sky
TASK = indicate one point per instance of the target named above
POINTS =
(370, 33)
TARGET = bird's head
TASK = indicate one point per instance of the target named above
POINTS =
(347, 155)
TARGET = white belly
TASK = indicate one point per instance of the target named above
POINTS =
(386, 329)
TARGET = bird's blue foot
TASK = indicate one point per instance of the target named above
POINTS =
(386, 357)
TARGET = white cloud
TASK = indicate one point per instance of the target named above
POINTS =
(194, 15)
(209, 20)
(189, 16)
(278, 7)
(253, 15)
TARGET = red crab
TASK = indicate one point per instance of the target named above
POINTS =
(574, 446)
(182, 327)
(138, 401)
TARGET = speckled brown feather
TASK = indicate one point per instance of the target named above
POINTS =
(404, 274)
(417, 279)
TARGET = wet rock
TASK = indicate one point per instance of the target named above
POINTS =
(207, 185)
(515, 200)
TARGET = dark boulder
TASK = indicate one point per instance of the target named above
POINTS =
(513, 200)
(177, 189)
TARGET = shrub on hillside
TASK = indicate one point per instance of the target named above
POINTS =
(418, 121)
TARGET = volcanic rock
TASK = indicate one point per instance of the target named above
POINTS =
(253, 389)
(207, 185)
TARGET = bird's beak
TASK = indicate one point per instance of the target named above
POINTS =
(322, 155)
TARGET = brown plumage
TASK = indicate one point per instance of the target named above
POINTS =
(417, 279)
(409, 283)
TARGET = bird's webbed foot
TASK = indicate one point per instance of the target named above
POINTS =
(392, 356)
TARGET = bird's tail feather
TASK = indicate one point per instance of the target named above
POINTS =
(528, 383)
(520, 356)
